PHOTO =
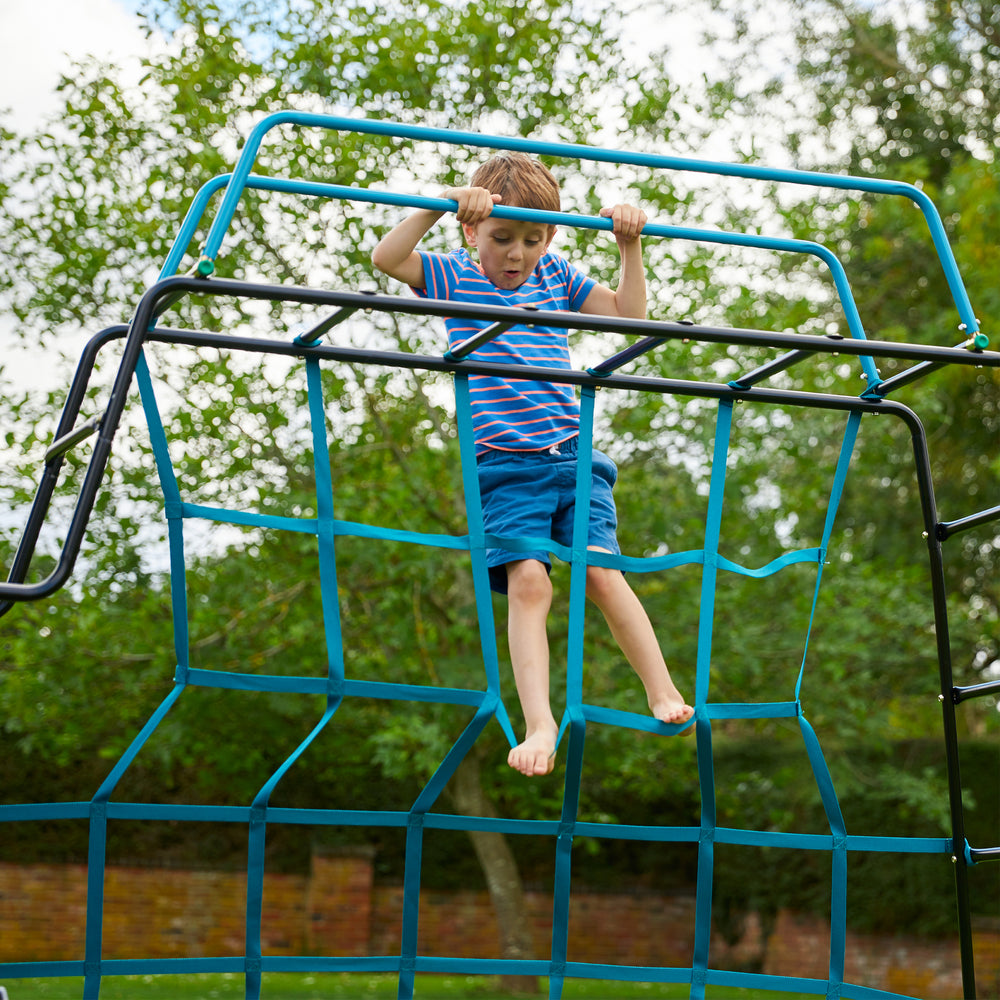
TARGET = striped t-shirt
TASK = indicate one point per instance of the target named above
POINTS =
(513, 415)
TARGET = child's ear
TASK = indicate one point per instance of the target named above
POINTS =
(470, 234)
(552, 235)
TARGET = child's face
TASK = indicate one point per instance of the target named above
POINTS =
(509, 249)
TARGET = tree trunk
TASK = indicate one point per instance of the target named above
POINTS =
(502, 876)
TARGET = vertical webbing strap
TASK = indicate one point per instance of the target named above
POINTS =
(330, 603)
(836, 492)
(706, 772)
(477, 545)
(174, 510)
(325, 531)
(573, 718)
(838, 874)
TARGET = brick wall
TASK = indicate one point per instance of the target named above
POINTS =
(337, 910)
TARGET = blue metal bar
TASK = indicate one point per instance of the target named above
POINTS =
(810, 178)
(686, 233)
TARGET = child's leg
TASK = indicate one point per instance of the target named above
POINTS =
(633, 631)
(529, 594)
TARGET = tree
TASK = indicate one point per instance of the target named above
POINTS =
(86, 226)
(104, 177)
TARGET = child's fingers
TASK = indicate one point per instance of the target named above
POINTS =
(475, 204)
(627, 220)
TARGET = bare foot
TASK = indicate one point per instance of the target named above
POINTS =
(672, 710)
(536, 755)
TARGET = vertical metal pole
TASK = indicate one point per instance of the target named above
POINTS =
(948, 704)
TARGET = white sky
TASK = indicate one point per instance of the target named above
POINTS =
(39, 38)
(39, 41)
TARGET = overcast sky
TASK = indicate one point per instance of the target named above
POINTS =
(38, 39)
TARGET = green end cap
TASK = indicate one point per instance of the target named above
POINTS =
(980, 342)
(206, 266)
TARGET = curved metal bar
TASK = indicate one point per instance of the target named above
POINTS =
(686, 233)
(53, 462)
(171, 288)
(388, 129)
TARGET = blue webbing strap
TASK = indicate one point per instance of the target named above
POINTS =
(477, 544)
(334, 680)
(838, 893)
(325, 525)
(824, 781)
(703, 728)
(173, 508)
(573, 718)
(836, 492)
(415, 841)
(489, 706)
(97, 843)
(578, 560)
(99, 808)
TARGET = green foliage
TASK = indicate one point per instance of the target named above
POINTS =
(100, 192)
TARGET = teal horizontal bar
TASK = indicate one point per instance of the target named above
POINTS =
(44, 811)
(316, 963)
(234, 681)
(337, 817)
(39, 970)
(170, 966)
(763, 710)
(491, 824)
(178, 811)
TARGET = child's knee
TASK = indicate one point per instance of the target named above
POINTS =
(602, 582)
(528, 581)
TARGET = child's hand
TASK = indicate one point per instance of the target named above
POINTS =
(474, 203)
(627, 222)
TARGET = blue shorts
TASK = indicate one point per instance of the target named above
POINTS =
(533, 494)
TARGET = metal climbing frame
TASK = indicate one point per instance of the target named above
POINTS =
(144, 328)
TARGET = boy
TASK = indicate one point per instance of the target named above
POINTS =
(526, 431)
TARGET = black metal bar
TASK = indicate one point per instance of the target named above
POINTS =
(948, 528)
(470, 346)
(960, 694)
(974, 344)
(573, 321)
(69, 441)
(946, 678)
(50, 476)
(312, 335)
(169, 289)
(624, 357)
(772, 368)
(905, 378)
(984, 854)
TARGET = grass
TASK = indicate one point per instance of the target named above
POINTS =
(350, 986)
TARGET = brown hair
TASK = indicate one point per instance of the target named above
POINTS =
(520, 181)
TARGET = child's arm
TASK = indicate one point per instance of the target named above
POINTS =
(629, 299)
(396, 253)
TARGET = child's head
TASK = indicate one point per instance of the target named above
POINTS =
(509, 250)
(520, 181)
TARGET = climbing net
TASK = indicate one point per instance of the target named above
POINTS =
(484, 700)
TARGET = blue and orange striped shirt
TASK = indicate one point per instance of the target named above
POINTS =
(514, 415)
